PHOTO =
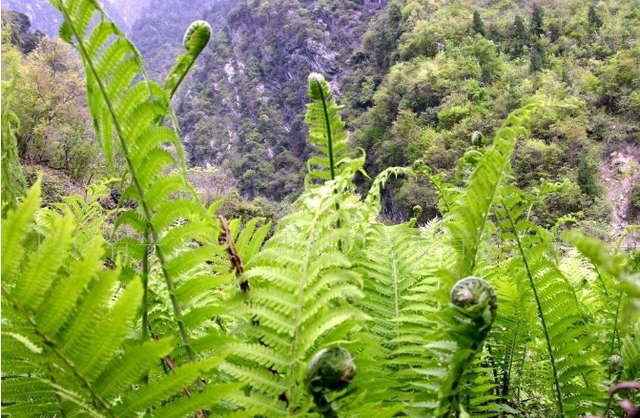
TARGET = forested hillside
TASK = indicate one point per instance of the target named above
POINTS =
(431, 76)
(244, 109)
(321, 209)
(419, 80)
(419, 84)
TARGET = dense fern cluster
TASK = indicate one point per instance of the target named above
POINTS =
(177, 312)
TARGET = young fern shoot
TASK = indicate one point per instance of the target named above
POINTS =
(326, 133)
(125, 104)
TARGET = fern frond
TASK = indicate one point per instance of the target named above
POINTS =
(124, 104)
(301, 293)
(389, 347)
(515, 322)
(15, 228)
(467, 219)
(66, 325)
(326, 132)
(631, 354)
(570, 344)
(372, 202)
(195, 39)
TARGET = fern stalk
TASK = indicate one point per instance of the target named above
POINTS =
(301, 300)
(615, 327)
(329, 133)
(507, 377)
(394, 270)
(236, 261)
(540, 312)
(145, 287)
(54, 382)
(426, 171)
(147, 212)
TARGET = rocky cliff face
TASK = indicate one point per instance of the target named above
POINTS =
(245, 106)
(159, 30)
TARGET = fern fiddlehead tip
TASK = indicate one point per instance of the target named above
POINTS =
(197, 35)
(474, 297)
(616, 365)
(331, 369)
(316, 77)
(318, 87)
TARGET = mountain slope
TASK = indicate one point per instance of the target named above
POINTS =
(45, 18)
(244, 109)
(159, 30)
(458, 68)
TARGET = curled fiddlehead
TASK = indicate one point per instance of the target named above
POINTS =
(330, 370)
(476, 300)
(616, 366)
(477, 139)
(195, 39)
(417, 213)
(474, 305)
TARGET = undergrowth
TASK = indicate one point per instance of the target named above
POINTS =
(160, 307)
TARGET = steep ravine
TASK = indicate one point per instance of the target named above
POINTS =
(620, 170)
(244, 105)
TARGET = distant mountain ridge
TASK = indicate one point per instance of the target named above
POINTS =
(242, 109)
(160, 27)
(46, 18)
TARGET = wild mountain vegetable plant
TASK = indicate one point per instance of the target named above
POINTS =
(177, 312)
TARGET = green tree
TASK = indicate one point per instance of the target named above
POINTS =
(537, 21)
(478, 24)
(520, 36)
(587, 177)
(537, 56)
(50, 102)
(595, 21)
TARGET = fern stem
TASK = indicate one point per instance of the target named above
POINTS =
(507, 380)
(236, 262)
(329, 133)
(332, 170)
(324, 406)
(604, 285)
(492, 364)
(615, 326)
(540, 312)
(58, 397)
(145, 287)
(396, 290)
(437, 185)
(48, 342)
(170, 286)
(450, 405)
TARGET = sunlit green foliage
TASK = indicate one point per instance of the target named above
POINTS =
(177, 312)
